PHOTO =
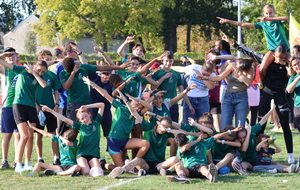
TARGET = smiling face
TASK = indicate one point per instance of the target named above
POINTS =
(167, 63)
(268, 12)
(157, 102)
(134, 64)
(137, 106)
(104, 77)
(295, 65)
(11, 58)
(138, 51)
(84, 117)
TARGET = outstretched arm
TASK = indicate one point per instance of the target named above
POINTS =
(220, 135)
(58, 115)
(128, 40)
(104, 55)
(265, 118)
(236, 23)
(44, 133)
(182, 94)
(99, 105)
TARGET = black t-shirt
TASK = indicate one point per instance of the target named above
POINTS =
(276, 77)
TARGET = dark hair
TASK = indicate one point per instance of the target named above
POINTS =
(44, 53)
(68, 64)
(230, 127)
(133, 57)
(71, 134)
(181, 139)
(282, 48)
(207, 118)
(225, 46)
(139, 45)
(115, 79)
(215, 52)
(154, 92)
(297, 47)
(258, 139)
(245, 64)
(242, 130)
(41, 63)
(169, 54)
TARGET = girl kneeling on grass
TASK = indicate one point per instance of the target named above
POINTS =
(67, 146)
(88, 151)
(122, 124)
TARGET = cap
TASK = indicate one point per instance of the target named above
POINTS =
(155, 65)
(99, 72)
(9, 49)
(57, 51)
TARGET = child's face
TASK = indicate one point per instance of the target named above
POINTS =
(296, 65)
(105, 77)
(295, 52)
(84, 117)
(269, 12)
(161, 127)
(39, 69)
(266, 144)
(137, 106)
(280, 55)
(242, 136)
(47, 58)
(138, 52)
(133, 66)
(167, 63)
(157, 102)
(206, 124)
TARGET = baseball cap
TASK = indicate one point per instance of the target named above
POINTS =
(9, 49)
(155, 65)
(110, 72)
(57, 51)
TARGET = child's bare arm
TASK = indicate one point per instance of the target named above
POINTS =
(236, 23)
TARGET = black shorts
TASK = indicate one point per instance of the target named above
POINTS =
(152, 167)
(106, 123)
(64, 167)
(194, 171)
(51, 123)
(215, 107)
(23, 113)
(88, 158)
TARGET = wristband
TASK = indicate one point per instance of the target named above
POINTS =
(229, 132)
(223, 141)
(169, 130)
(79, 53)
(57, 104)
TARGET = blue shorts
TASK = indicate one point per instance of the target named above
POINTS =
(8, 122)
(116, 146)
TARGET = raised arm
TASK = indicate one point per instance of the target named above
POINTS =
(113, 67)
(44, 133)
(58, 115)
(36, 76)
(95, 105)
(79, 53)
(103, 92)
(264, 119)
(128, 40)
(200, 127)
(107, 59)
(182, 94)
(67, 85)
(146, 105)
(4, 63)
(220, 135)
(236, 23)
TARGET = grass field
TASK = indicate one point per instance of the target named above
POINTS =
(12, 180)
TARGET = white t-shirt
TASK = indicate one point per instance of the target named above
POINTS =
(201, 89)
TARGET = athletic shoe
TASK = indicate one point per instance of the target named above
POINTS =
(102, 161)
(178, 179)
(291, 168)
(19, 168)
(277, 129)
(4, 165)
(237, 166)
(41, 160)
(116, 172)
(26, 173)
(213, 173)
(297, 170)
(29, 168)
(50, 172)
(141, 172)
(273, 171)
(291, 160)
(56, 162)
(133, 171)
(74, 174)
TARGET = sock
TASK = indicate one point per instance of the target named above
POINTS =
(291, 155)
(19, 164)
(217, 167)
(55, 158)
(182, 175)
(27, 163)
(40, 158)
(3, 160)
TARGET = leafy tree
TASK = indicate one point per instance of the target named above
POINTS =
(12, 12)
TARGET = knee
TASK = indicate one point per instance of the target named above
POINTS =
(174, 159)
(85, 171)
(145, 144)
(229, 156)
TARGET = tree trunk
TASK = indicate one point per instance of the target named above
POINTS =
(188, 38)
(171, 42)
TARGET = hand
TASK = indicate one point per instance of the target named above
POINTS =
(279, 61)
(29, 125)
(45, 108)
(226, 38)
(131, 97)
(219, 141)
(75, 48)
(125, 65)
(237, 129)
(87, 81)
(97, 48)
(192, 86)
(76, 68)
(28, 68)
(161, 57)
(121, 95)
(192, 110)
(181, 131)
(223, 20)
(82, 108)
(129, 79)
(264, 19)
(55, 108)
(273, 106)
(168, 75)
(191, 121)
(6, 54)
(150, 113)
(210, 57)
(160, 93)
(129, 39)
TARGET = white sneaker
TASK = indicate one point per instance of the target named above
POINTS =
(178, 179)
(291, 160)
(19, 169)
(291, 168)
(275, 128)
(141, 172)
(273, 171)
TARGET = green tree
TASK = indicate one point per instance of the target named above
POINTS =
(30, 42)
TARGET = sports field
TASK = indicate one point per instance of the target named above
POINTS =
(12, 180)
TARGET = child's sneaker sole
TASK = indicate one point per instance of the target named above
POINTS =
(26, 173)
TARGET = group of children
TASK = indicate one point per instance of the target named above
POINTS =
(83, 99)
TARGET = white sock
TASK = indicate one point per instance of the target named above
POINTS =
(217, 167)
(27, 163)
(291, 155)
(40, 158)
(19, 164)
(55, 158)
(3, 160)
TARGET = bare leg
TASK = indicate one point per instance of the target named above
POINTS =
(83, 163)
(217, 119)
(39, 144)
(173, 146)
(226, 161)
(5, 145)
(43, 166)
(17, 139)
(74, 168)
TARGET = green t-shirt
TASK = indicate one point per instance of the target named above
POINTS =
(158, 143)
(8, 84)
(26, 87)
(44, 96)
(134, 87)
(191, 129)
(220, 150)
(67, 153)
(89, 137)
(250, 154)
(122, 122)
(170, 84)
(197, 154)
(162, 111)
(296, 90)
(79, 91)
(274, 33)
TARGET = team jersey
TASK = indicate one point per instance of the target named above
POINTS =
(8, 84)
(67, 153)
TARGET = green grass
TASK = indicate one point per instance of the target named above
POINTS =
(12, 180)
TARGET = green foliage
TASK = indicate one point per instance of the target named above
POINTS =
(30, 42)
